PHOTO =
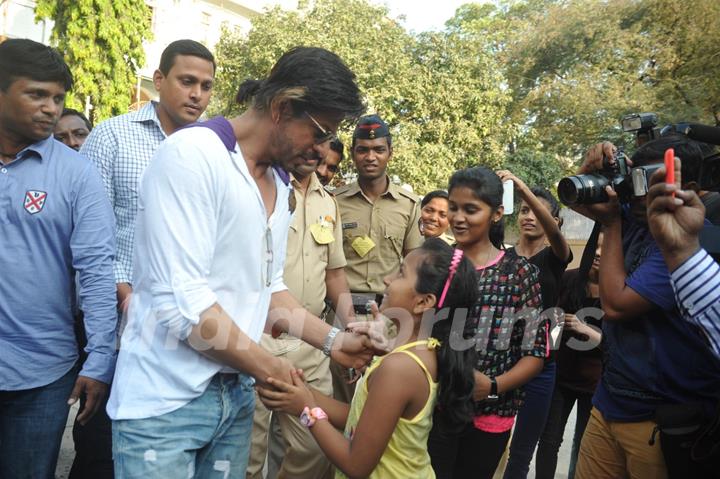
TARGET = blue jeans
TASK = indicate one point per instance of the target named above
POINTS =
(32, 422)
(562, 403)
(530, 422)
(209, 437)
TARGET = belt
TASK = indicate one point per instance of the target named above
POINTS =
(361, 302)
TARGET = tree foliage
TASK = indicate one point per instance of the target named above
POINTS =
(102, 42)
(575, 68)
(442, 97)
(525, 84)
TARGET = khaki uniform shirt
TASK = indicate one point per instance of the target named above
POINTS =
(391, 223)
(448, 238)
(307, 258)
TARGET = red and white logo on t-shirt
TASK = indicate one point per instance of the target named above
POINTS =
(34, 201)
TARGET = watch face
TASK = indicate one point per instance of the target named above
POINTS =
(305, 419)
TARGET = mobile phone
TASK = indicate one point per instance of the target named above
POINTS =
(508, 200)
(670, 167)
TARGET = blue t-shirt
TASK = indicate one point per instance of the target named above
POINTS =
(656, 358)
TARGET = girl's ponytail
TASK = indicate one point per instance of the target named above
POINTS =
(459, 293)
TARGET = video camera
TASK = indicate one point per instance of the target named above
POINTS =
(629, 182)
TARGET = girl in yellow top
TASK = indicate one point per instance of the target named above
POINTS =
(388, 423)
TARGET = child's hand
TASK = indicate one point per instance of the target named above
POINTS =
(289, 398)
(375, 330)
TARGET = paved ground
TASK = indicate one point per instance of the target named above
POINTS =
(67, 452)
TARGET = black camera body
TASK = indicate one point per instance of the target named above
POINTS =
(589, 189)
(628, 182)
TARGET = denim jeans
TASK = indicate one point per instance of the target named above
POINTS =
(562, 403)
(209, 437)
(530, 422)
(32, 422)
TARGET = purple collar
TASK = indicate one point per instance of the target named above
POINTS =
(224, 130)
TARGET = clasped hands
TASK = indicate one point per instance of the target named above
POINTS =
(353, 348)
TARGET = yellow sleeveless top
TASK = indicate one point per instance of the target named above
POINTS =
(406, 454)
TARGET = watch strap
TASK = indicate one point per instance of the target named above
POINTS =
(309, 417)
(493, 389)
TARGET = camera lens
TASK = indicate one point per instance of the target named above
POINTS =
(569, 190)
(583, 189)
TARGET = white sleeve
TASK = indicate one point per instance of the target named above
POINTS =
(179, 210)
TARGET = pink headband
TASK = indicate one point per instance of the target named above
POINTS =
(457, 256)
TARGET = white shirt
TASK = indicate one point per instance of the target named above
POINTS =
(201, 237)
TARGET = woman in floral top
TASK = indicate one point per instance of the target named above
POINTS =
(510, 337)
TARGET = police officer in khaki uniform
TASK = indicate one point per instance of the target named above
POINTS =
(314, 270)
(330, 165)
(379, 223)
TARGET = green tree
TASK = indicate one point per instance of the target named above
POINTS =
(444, 100)
(102, 41)
(575, 68)
(537, 168)
(684, 56)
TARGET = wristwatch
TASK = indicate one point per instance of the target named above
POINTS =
(309, 417)
(329, 340)
(493, 389)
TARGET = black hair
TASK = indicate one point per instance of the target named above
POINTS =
(432, 195)
(488, 188)
(337, 146)
(73, 112)
(23, 58)
(313, 79)
(187, 48)
(455, 367)
(691, 152)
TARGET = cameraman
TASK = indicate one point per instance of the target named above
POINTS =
(653, 360)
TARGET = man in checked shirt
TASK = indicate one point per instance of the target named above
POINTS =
(122, 148)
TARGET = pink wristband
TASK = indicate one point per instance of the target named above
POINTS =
(309, 417)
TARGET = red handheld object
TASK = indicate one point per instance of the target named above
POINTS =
(670, 167)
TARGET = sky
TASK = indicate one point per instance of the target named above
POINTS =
(422, 15)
